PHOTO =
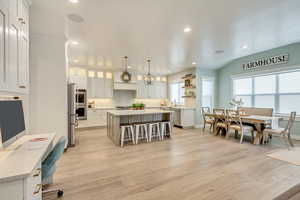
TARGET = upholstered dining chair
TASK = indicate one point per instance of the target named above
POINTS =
(206, 119)
(220, 117)
(284, 133)
(234, 122)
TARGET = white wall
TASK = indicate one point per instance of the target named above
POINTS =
(48, 96)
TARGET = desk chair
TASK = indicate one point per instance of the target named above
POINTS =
(49, 167)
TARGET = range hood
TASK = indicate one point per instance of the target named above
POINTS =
(125, 86)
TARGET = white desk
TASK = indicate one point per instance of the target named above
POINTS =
(20, 169)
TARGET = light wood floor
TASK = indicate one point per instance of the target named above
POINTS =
(191, 166)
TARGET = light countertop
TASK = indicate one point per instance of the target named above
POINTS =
(137, 112)
(19, 163)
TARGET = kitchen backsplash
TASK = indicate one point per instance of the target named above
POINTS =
(124, 98)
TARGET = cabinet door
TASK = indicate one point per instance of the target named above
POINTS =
(3, 43)
(108, 88)
(99, 87)
(90, 91)
(14, 17)
(23, 71)
(13, 57)
(24, 9)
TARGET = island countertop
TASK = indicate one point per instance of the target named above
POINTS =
(137, 112)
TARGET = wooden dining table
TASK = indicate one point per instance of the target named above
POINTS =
(259, 122)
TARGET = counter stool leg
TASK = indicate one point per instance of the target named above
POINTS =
(146, 132)
(132, 134)
(122, 136)
(137, 134)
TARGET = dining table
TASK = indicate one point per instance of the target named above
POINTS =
(257, 121)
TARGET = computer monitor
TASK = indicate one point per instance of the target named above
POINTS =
(12, 123)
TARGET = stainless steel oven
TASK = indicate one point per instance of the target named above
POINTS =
(81, 104)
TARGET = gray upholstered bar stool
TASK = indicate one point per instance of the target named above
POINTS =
(130, 134)
(141, 132)
(164, 131)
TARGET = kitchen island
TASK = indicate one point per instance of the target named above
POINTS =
(118, 118)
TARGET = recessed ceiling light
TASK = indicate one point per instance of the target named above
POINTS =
(74, 1)
(194, 63)
(187, 30)
(245, 46)
(75, 61)
(75, 42)
(129, 67)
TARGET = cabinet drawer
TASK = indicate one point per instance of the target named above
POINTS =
(33, 184)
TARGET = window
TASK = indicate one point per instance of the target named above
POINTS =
(279, 91)
(207, 93)
(176, 93)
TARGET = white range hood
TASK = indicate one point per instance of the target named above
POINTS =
(120, 85)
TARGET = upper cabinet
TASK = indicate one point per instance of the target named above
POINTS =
(158, 90)
(14, 50)
(3, 44)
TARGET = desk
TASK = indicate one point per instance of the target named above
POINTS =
(20, 169)
(258, 121)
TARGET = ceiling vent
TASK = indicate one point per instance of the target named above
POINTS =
(220, 51)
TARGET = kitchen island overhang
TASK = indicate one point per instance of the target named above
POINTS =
(118, 118)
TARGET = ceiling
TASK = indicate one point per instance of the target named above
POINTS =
(141, 29)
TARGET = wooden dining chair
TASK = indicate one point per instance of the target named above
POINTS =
(220, 123)
(234, 122)
(284, 133)
(206, 119)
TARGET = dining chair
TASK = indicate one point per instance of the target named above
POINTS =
(284, 133)
(206, 119)
(220, 123)
(234, 122)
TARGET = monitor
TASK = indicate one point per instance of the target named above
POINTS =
(12, 123)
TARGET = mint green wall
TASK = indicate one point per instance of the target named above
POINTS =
(224, 75)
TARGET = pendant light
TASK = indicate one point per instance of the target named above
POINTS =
(148, 77)
(126, 76)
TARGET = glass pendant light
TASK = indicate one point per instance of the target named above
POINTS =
(148, 78)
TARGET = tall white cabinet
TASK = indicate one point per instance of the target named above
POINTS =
(14, 50)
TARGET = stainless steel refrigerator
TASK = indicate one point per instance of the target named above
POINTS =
(72, 117)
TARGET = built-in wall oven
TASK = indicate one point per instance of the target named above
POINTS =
(81, 104)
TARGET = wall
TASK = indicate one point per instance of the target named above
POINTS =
(48, 80)
(234, 69)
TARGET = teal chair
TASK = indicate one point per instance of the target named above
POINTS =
(49, 167)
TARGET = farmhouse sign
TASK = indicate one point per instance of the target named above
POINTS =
(265, 62)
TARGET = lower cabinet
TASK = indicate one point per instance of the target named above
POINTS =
(29, 188)
(95, 118)
(184, 118)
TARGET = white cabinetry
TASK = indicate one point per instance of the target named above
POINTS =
(184, 117)
(14, 49)
(95, 118)
(158, 90)
(3, 44)
(29, 188)
(100, 87)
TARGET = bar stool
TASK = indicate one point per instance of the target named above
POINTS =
(156, 133)
(164, 126)
(141, 128)
(129, 129)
